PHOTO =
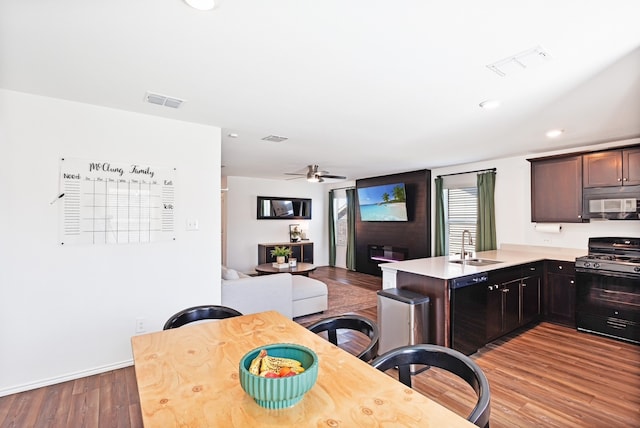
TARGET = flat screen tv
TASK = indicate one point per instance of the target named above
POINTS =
(387, 202)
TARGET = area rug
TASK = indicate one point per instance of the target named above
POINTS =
(342, 299)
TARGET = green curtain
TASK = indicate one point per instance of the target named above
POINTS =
(486, 231)
(332, 231)
(441, 244)
(351, 229)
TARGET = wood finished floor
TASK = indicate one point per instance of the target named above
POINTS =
(543, 376)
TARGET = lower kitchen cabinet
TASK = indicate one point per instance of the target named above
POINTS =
(560, 292)
(531, 293)
(503, 308)
(513, 299)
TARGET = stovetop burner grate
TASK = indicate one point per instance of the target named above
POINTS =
(612, 254)
(609, 257)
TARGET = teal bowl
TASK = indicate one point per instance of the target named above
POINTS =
(280, 393)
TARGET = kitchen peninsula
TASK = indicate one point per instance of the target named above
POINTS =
(519, 265)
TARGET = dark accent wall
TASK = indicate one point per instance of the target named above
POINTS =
(413, 235)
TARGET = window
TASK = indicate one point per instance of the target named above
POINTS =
(460, 212)
(340, 217)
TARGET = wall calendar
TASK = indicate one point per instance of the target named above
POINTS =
(115, 203)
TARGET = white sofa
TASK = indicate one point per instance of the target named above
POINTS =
(291, 295)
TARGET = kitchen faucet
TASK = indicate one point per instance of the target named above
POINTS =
(464, 253)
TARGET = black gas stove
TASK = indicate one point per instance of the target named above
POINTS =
(608, 288)
(612, 254)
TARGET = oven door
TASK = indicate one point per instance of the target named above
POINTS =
(608, 303)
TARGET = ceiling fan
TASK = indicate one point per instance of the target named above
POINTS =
(314, 175)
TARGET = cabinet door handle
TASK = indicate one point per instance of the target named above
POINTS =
(572, 282)
(619, 179)
(505, 290)
(560, 267)
(624, 179)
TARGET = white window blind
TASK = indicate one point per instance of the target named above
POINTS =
(461, 212)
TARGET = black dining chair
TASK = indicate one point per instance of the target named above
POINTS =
(199, 313)
(350, 322)
(445, 358)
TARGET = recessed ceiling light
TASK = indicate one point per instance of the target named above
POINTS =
(201, 4)
(553, 133)
(490, 104)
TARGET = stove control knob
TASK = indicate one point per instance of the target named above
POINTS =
(636, 269)
(587, 264)
(596, 265)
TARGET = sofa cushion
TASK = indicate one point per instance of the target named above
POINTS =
(304, 287)
(231, 274)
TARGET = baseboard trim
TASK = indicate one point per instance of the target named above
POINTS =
(65, 378)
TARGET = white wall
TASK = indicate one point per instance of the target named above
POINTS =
(513, 205)
(244, 231)
(70, 311)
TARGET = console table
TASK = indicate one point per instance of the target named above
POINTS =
(302, 251)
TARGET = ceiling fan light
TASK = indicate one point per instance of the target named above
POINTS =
(313, 179)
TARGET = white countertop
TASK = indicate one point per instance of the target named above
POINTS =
(509, 255)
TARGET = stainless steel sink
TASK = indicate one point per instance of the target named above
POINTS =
(475, 262)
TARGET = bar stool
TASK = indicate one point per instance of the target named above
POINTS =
(445, 358)
(350, 322)
(198, 313)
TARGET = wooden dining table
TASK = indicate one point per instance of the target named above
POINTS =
(188, 377)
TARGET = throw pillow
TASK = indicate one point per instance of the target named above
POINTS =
(229, 274)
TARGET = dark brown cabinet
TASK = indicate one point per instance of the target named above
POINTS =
(494, 312)
(531, 294)
(560, 292)
(631, 166)
(513, 299)
(612, 168)
(302, 251)
(503, 303)
(556, 189)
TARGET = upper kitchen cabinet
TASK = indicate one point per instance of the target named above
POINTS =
(612, 168)
(556, 189)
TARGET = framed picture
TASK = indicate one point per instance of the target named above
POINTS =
(295, 232)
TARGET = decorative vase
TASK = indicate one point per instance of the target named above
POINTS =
(280, 260)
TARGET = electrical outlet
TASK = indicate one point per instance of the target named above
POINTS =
(140, 328)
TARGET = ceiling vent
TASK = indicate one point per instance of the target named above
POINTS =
(163, 100)
(521, 61)
(275, 138)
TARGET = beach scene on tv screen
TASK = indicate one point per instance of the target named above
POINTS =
(383, 203)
